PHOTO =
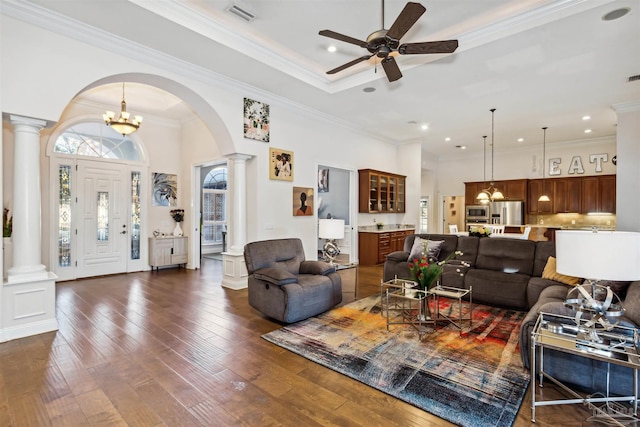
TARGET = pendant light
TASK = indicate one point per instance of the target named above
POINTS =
(123, 124)
(544, 197)
(492, 191)
(483, 195)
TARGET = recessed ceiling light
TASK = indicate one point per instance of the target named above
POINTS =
(615, 14)
(369, 89)
(462, 147)
(332, 48)
(447, 139)
(412, 122)
(424, 127)
(587, 131)
(586, 117)
(520, 139)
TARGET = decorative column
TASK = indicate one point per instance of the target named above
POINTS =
(29, 294)
(27, 233)
(234, 268)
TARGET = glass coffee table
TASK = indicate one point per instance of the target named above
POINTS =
(439, 291)
(403, 304)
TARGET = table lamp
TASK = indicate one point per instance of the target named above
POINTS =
(331, 229)
(597, 255)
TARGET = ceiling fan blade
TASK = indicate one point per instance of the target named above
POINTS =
(349, 64)
(443, 46)
(391, 68)
(342, 37)
(409, 15)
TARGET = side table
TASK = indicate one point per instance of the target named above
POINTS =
(410, 306)
(349, 275)
(561, 333)
(452, 293)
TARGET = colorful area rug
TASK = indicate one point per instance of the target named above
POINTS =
(476, 379)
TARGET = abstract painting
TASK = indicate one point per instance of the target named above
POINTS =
(323, 181)
(165, 189)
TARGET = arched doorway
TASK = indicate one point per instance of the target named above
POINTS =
(131, 174)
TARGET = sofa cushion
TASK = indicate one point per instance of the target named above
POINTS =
(275, 276)
(543, 251)
(506, 255)
(618, 287)
(497, 288)
(469, 248)
(550, 273)
(631, 303)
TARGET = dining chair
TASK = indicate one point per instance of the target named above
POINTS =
(453, 229)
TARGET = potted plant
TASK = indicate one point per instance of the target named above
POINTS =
(178, 217)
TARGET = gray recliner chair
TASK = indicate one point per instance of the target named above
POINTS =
(286, 287)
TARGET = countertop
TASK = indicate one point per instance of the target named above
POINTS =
(386, 228)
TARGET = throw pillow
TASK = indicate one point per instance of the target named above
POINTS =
(550, 273)
(433, 249)
(417, 249)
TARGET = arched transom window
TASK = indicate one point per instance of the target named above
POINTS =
(93, 139)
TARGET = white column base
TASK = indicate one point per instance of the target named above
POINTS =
(28, 308)
(27, 273)
(234, 271)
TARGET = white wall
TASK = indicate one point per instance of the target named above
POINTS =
(627, 196)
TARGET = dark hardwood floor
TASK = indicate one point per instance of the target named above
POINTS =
(175, 348)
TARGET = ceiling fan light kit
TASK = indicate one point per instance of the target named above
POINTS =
(383, 43)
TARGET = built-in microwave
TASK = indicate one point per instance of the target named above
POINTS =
(478, 213)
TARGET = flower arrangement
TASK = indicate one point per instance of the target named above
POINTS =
(7, 223)
(426, 272)
(177, 215)
(480, 231)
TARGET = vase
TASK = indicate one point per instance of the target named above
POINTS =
(177, 231)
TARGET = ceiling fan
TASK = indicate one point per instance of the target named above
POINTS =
(383, 43)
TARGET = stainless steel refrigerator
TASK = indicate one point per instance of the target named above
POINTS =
(507, 213)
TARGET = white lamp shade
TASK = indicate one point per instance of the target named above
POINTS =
(331, 229)
(602, 255)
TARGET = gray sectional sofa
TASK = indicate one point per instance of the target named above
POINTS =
(508, 273)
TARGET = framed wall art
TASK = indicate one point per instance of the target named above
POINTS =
(164, 189)
(280, 164)
(302, 201)
(256, 120)
(323, 181)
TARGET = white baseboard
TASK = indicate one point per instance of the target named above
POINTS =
(28, 329)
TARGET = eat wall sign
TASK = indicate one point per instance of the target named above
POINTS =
(576, 166)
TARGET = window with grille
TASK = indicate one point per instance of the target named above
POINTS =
(214, 199)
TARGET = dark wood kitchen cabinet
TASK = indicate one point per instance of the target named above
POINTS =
(599, 194)
(381, 192)
(538, 187)
(567, 195)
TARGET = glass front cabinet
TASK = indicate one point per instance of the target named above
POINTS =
(381, 192)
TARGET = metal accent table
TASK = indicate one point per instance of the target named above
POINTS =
(410, 305)
(452, 293)
(561, 333)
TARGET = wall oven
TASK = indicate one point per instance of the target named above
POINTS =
(478, 214)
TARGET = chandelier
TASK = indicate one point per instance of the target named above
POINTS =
(124, 124)
(491, 193)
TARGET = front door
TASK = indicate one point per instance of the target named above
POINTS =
(102, 236)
